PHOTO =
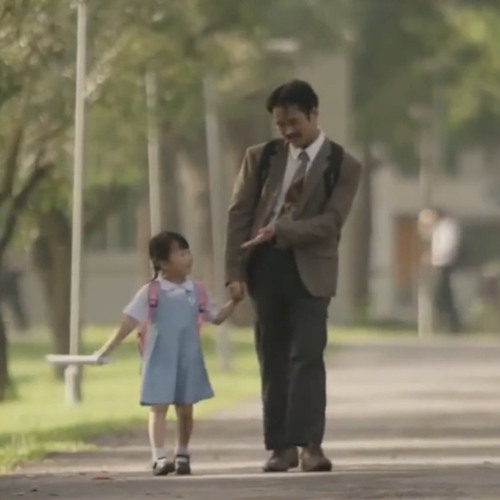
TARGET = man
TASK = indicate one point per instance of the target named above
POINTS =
(446, 243)
(290, 201)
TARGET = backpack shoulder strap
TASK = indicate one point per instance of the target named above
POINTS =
(332, 171)
(268, 150)
(153, 292)
(202, 295)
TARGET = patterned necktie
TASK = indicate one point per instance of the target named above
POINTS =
(294, 192)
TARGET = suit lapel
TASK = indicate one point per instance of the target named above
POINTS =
(314, 175)
(276, 172)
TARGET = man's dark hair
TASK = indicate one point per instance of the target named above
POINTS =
(294, 93)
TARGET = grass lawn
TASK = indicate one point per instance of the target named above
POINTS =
(38, 421)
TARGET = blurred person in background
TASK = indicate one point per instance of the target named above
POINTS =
(446, 250)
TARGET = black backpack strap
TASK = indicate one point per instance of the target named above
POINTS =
(330, 175)
(332, 170)
(268, 150)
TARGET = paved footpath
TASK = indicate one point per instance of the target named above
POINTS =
(407, 420)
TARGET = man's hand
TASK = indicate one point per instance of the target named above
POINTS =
(236, 290)
(265, 234)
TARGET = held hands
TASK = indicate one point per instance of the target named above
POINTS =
(265, 234)
(236, 291)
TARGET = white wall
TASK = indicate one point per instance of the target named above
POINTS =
(109, 281)
(394, 195)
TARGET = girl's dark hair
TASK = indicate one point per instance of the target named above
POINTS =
(294, 93)
(161, 247)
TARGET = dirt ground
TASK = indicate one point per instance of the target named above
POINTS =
(406, 420)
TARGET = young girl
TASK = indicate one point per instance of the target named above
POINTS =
(173, 370)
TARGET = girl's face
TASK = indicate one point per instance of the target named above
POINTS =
(179, 264)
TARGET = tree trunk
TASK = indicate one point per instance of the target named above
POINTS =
(194, 207)
(5, 380)
(142, 235)
(52, 260)
(169, 194)
(362, 240)
(4, 358)
(168, 177)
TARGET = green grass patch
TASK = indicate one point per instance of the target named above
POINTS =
(37, 421)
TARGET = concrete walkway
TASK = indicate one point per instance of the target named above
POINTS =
(407, 420)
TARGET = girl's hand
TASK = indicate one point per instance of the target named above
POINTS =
(101, 356)
(127, 325)
(226, 311)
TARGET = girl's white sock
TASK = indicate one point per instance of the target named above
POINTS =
(158, 453)
(181, 450)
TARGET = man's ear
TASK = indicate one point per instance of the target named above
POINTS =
(314, 114)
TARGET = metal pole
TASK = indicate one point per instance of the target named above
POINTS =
(216, 208)
(72, 378)
(425, 175)
(438, 125)
(153, 154)
(425, 305)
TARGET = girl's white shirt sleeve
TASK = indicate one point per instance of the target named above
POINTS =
(211, 310)
(138, 307)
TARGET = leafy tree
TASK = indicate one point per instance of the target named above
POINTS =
(180, 41)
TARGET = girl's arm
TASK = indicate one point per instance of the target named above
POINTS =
(225, 312)
(135, 313)
(128, 324)
(210, 311)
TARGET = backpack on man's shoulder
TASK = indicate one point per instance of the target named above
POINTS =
(330, 175)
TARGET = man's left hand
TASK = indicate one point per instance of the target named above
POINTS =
(264, 235)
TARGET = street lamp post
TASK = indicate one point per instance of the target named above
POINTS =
(153, 154)
(72, 372)
(423, 116)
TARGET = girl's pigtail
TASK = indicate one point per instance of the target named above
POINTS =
(156, 271)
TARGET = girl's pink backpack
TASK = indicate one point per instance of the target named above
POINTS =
(153, 293)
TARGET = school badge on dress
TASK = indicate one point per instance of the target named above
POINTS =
(191, 297)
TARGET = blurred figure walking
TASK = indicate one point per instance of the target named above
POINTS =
(446, 253)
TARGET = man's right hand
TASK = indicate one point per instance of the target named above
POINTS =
(236, 290)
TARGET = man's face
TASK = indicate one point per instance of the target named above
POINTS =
(295, 126)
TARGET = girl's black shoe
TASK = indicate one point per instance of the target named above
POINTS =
(182, 465)
(162, 467)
